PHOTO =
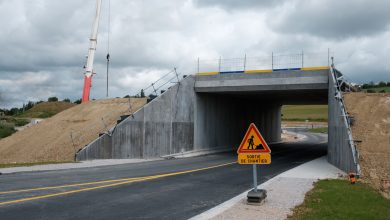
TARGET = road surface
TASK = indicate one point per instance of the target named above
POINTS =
(164, 189)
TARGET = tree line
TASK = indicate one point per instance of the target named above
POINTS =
(375, 85)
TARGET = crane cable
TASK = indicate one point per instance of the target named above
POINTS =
(108, 42)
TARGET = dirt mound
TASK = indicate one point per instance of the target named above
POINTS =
(59, 137)
(372, 127)
(46, 109)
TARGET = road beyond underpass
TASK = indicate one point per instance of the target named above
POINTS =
(165, 189)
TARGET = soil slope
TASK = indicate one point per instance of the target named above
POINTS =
(372, 127)
(59, 137)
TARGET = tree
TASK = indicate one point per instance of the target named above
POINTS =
(78, 101)
(29, 105)
(14, 111)
(382, 84)
(66, 100)
(52, 99)
(142, 93)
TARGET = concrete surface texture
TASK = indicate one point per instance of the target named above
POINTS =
(307, 87)
(162, 127)
(284, 192)
(340, 152)
(214, 111)
(210, 112)
(371, 113)
(58, 138)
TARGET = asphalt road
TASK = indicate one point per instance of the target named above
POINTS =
(166, 189)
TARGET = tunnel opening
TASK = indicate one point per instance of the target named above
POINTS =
(222, 118)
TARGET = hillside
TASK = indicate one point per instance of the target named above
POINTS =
(305, 112)
(59, 137)
(372, 128)
(46, 109)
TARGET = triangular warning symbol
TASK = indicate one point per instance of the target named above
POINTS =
(253, 142)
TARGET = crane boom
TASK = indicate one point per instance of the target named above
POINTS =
(91, 54)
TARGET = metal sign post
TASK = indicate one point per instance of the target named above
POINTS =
(254, 150)
(254, 177)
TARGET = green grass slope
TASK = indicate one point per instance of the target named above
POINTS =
(305, 112)
(338, 199)
(46, 109)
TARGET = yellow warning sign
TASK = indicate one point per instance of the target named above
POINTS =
(263, 158)
(253, 142)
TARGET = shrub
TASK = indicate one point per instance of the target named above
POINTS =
(21, 122)
(52, 99)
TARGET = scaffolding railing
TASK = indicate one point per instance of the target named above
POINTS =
(270, 62)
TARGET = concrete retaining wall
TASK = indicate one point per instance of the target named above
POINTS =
(339, 149)
(163, 126)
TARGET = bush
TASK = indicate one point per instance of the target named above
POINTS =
(6, 130)
(78, 101)
(21, 122)
(66, 100)
(45, 114)
(370, 91)
(382, 91)
(52, 99)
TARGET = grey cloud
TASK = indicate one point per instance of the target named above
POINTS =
(333, 19)
(50, 39)
(237, 4)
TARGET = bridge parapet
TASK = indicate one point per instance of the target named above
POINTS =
(307, 79)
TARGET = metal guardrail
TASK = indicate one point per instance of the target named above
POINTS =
(271, 62)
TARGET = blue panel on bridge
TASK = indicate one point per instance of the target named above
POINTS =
(286, 69)
(231, 72)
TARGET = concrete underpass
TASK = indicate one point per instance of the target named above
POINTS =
(212, 112)
(228, 103)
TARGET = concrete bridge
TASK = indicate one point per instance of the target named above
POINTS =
(211, 111)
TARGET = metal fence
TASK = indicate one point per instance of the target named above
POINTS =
(271, 62)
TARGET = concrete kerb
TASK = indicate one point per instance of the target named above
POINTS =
(64, 166)
(196, 153)
(311, 171)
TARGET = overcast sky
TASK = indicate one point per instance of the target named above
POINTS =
(44, 42)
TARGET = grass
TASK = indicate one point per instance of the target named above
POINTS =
(338, 199)
(46, 109)
(378, 89)
(323, 130)
(32, 164)
(20, 122)
(305, 112)
(6, 130)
